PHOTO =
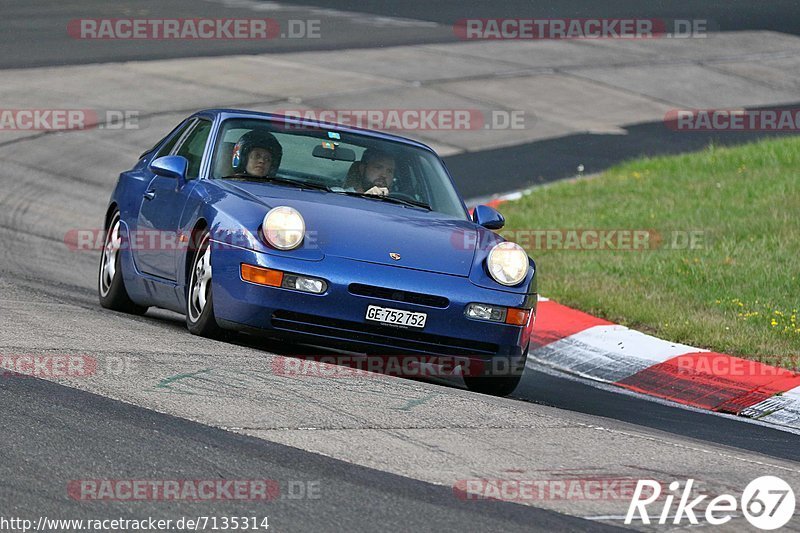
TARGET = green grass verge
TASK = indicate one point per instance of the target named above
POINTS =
(737, 293)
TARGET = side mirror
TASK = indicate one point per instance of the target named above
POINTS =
(488, 217)
(171, 166)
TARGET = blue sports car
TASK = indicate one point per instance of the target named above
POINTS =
(321, 234)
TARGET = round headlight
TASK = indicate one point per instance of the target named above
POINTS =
(284, 228)
(508, 263)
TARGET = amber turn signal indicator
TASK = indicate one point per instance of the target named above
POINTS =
(262, 276)
(517, 317)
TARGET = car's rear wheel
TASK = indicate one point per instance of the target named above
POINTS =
(111, 287)
(199, 302)
(500, 379)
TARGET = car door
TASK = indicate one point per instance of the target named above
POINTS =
(156, 244)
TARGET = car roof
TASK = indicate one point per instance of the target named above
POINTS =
(242, 113)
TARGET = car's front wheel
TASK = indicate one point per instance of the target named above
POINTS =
(494, 386)
(199, 302)
(111, 287)
(500, 379)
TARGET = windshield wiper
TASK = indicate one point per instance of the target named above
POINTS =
(276, 179)
(392, 199)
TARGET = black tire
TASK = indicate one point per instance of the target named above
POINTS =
(110, 285)
(493, 386)
(501, 379)
(200, 313)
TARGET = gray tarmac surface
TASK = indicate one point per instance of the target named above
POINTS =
(436, 434)
(35, 34)
(79, 436)
(387, 451)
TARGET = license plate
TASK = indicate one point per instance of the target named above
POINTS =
(396, 317)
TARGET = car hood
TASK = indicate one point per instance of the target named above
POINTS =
(374, 231)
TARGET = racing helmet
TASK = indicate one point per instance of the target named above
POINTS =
(256, 139)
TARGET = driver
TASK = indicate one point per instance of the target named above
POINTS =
(374, 174)
(257, 153)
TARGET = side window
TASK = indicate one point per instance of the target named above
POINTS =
(424, 181)
(193, 147)
(408, 178)
(179, 131)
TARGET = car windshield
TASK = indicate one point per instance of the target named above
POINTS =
(339, 162)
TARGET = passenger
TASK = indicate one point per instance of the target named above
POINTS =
(374, 174)
(257, 153)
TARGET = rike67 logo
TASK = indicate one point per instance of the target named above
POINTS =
(767, 503)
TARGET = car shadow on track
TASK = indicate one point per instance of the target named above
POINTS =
(546, 387)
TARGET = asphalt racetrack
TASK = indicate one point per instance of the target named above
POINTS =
(365, 453)
(32, 33)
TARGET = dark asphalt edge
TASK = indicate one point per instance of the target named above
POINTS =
(495, 171)
(706, 428)
(94, 405)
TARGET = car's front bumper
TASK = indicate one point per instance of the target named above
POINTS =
(336, 318)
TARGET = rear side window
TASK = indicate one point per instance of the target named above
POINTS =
(193, 147)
